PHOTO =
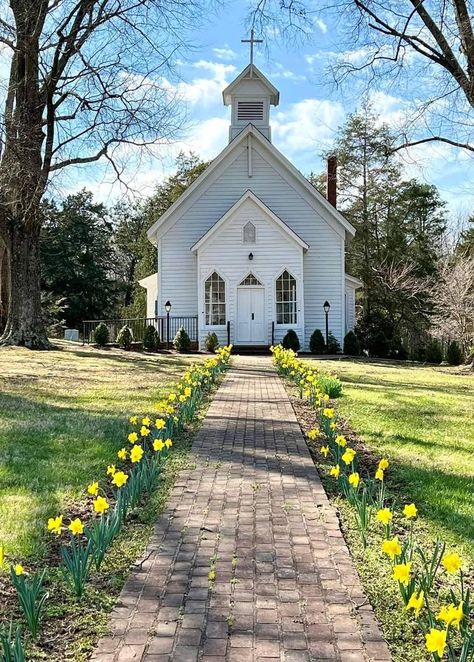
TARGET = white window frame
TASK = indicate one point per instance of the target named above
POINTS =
(287, 325)
(226, 292)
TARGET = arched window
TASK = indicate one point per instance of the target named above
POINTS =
(214, 300)
(249, 233)
(286, 299)
(250, 279)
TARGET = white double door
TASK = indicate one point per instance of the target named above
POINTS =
(250, 315)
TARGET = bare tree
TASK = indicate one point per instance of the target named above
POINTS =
(453, 297)
(86, 82)
(431, 42)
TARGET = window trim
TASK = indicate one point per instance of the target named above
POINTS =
(287, 325)
(249, 243)
(226, 293)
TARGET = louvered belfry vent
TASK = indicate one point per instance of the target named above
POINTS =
(250, 110)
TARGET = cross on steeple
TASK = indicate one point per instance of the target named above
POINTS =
(251, 41)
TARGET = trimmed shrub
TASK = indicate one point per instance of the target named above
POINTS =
(330, 385)
(151, 338)
(125, 337)
(101, 334)
(434, 352)
(351, 344)
(211, 343)
(291, 341)
(316, 342)
(454, 354)
(181, 341)
(333, 345)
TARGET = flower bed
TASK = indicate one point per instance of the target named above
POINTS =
(82, 543)
(431, 582)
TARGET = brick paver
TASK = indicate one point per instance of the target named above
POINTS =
(254, 509)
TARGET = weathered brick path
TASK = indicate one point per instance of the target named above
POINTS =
(285, 587)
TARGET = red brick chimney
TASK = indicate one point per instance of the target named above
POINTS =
(331, 185)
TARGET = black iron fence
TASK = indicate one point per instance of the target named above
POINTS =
(166, 327)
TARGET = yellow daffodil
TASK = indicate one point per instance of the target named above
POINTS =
(401, 572)
(144, 431)
(383, 464)
(136, 454)
(306, 393)
(55, 524)
(333, 425)
(384, 515)
(410, 511)
(172, 397)
(119, 479)
(436, 641)
(160, 424)
(93, 489)
(122, 454)
(169, 409)
(76, 527)
(19, 570)
(158, 445)
(451, 615)
(146, 421)
(211, 575)
(168, 443)
(313, 433)
(341, 440)
(100, 504)
(416, 602)
(182, 398)
(452, 562)
(133, 420)
(348, 456)
(328, 412)
(111, 470)
(187, 391)
(391, 547)
(133, 437)
(379, 475)
(324, 450)
(335, 471)
(354, 479)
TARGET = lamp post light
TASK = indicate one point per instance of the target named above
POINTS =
(168, 310)
(326, 308)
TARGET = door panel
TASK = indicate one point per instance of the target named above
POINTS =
(250, 315)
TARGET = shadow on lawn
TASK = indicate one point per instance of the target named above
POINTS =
(378, 382)
(148, 362)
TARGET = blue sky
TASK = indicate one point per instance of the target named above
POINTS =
(304, 124)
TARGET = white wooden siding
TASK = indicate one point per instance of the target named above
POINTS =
(323, 262)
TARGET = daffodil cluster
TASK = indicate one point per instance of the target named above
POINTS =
(121, 488)
(313, 385)
(448, 634)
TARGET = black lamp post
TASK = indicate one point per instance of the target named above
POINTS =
(326, 308)
(168, 310)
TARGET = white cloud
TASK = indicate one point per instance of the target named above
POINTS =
(321, 25)
(225, 53)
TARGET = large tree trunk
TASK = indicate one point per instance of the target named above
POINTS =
(25, 323)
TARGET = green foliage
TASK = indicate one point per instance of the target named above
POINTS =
(434, 351)
(329, 385)
(101, 334)
(317, 344)
(125, 337)
(454, 354)
(333, 346)
(181, 341)
(151, 338)
(211, 342)
(31, 596)
(351, 344)
(76, 256)
(11, 646)
(291, 341)
(76, 560)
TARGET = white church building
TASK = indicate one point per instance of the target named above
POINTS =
(251, 248)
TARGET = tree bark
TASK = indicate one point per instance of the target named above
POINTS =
(25, 325)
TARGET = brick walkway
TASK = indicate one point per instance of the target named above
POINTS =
(285, 587)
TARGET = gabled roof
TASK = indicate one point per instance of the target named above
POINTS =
(250, 72)
(287, 165)
(355, 282)
(248, 195)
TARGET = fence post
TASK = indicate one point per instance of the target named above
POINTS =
(273, 333)
(228, 332)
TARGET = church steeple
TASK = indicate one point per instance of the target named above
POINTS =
(250, 95)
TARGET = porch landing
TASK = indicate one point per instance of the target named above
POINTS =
(253, 512)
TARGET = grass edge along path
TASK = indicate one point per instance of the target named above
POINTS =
(70, 627)
(432, 583)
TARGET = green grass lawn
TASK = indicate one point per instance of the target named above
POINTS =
(422, 419)
(63, 416)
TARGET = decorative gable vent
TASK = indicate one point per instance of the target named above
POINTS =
(250, 110)
(249, 233)
(250, 280)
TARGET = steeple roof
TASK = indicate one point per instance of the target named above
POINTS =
(251, 72)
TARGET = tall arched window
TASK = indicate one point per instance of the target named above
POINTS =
(214, 300)
(286, 299)
(250, 233)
